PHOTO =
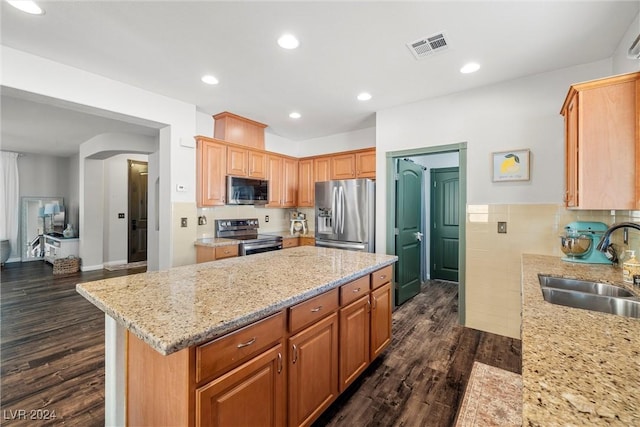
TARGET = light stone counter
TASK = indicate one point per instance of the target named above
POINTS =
(216, 241)
(177, 308)
(579, 367)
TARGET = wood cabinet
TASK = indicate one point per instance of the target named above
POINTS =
(366, 164)
(290, 242)
(306, 183)
(283, 181)
(245, 162)
(210, 172)
(260, 383)
(354, 340)
(313, 370)
(602, 143)
(307, 241)
(211, 253)
(381, 308)
(322, 169)
(240, 130)
(343, 166)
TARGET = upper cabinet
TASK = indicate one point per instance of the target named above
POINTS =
(322, 169)
(366, 164)
(602, 143)
(283, 181)
(343, 166)
(246, 162)
(239, 130)
(210, 171)
(306, 184)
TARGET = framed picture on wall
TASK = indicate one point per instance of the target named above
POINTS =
(511, 165)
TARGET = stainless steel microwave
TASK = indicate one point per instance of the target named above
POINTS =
(247, 191)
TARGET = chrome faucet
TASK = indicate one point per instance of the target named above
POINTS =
(604, 241)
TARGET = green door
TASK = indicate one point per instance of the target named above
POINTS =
(408, 230)
(445, 196)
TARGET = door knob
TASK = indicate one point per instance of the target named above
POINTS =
(418, 236)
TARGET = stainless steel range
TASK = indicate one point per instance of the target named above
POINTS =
(246, 231)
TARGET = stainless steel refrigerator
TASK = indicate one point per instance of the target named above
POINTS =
(345, 214)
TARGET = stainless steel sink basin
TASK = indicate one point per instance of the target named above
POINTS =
(589, 295)
(583, 286)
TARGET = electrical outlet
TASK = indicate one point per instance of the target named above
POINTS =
(266, 218)
(120, 216)
(502, 227)
(183, 222)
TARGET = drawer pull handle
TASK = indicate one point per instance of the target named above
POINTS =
(383, 276)
(356, 290)
(248, 343)
(295, 354)
(317, 309)
(279, 362)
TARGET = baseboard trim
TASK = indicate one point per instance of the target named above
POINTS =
(119, 262)
(92, 267)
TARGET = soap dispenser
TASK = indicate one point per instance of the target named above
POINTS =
(630, 266)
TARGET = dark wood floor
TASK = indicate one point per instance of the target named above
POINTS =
(51, 347)
(52, 356)
(420, 379)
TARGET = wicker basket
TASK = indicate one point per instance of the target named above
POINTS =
(67, 265)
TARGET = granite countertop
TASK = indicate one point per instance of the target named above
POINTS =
(174, 309)
(579, 367)
(287, 234)
(216, 241)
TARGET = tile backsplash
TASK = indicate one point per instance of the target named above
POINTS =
(493, 260)
(279, 218)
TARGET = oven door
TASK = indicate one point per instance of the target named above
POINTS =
(256, 248)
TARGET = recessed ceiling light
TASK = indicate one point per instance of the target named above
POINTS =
(364, 96)
(210, 80)
(471, 67)
(27, 6)
(288, 41)
(295, 115)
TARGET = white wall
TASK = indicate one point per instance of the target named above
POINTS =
(45, 176)
(72, 197)
(521, 113)
(38, 75)
(116, 200)
(362, 138)
(622, 64)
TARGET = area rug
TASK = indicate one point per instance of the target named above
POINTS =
(125, 266)
(493, 397)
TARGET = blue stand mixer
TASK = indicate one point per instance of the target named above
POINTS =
(580, 241)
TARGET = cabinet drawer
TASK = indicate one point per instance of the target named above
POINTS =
(215, 357)
(307, 241)
(289, 243)
(226, 251)
(380, 277)
(312, 310)
(354, 290)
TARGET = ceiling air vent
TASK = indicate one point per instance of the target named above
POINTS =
(428, 46)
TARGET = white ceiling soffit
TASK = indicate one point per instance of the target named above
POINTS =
(428, 46)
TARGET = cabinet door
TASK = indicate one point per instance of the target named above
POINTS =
(366, 164)
(253, 394)
(380, 319)
(205, 254)
(210, 170)
(354, 340)
(237, 161)
(290, 243)
(313, 370)
(322, 169)
(343, 166)
(257, 164)
(306, 183)
(571, 150)
(274, 169)
(289, 182)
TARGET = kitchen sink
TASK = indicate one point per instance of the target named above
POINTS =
(587, 286)
(589, 295)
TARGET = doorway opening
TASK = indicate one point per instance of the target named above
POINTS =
(138, 211)
(449, 164)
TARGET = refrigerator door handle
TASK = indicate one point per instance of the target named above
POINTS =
(334, 196)
(342, 204)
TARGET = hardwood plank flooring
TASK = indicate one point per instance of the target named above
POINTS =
(420, 379)
(51, 347)
(52, 356)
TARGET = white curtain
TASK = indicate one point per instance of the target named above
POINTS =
(9, 201)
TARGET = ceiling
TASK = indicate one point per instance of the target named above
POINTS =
(345, 48)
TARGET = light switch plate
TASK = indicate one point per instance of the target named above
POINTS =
(502, 227)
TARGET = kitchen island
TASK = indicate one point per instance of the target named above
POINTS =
(174, 315)
(579, 367)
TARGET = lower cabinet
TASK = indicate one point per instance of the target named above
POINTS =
(212, 253)
(259, 383)
(380, 319)
(313, 370)
(354, 341)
